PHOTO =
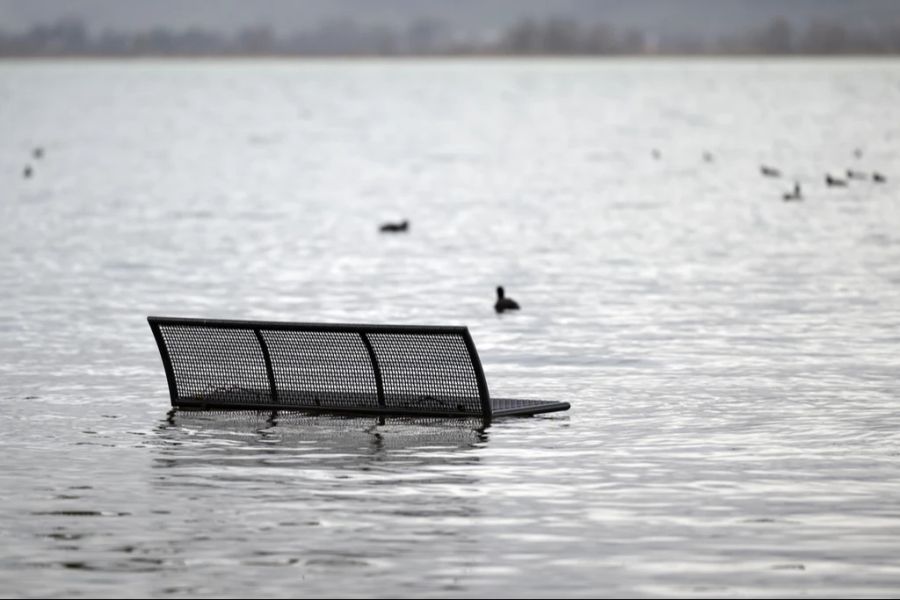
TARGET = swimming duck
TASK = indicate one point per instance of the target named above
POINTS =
(851, 174)
(834, 181)
(878, 178)
(769, 171)
(796, 195)
(395, 227)
(503, 303)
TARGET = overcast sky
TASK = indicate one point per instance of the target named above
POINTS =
(663, 16)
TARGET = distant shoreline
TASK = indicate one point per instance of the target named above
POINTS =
(439, 57)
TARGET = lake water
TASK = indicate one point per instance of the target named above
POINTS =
(731, 359)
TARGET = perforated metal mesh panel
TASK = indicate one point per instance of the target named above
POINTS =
(377, 369)
(321, 369)
(217, 365)
(509, 406)
(362, 368)
(428, 373)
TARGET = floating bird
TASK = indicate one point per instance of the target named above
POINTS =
(656, 154)
(26, 173)
(38, 153)
(794, 196)
(878, 178)
(769, 171)
(851, 174)
(503, 303)
(707, 157)
(395, 227)
(834, 181)
(858, 153)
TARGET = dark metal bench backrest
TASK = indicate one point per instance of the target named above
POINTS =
(258, 364)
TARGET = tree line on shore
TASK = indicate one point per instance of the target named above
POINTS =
(554, 36)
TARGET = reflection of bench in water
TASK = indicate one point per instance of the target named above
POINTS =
(343, 437)
(350, 369)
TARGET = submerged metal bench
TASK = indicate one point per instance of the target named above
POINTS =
(336, 368)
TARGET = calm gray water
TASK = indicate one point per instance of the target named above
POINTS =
(731, 359)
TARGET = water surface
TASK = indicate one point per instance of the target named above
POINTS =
(731, 359)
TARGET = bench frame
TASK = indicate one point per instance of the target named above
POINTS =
(363, 331)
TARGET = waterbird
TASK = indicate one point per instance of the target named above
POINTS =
(656, 154)
(769, 171)
(851, 174)
(834, 181)
(27, 171)
(395, 227)
(794, 196)
(878, 178)
(707, 157)
(503, 303)
(38, 152)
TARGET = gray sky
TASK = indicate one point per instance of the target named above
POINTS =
(663, 16)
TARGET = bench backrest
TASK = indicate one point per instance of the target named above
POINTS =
(399, 369)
